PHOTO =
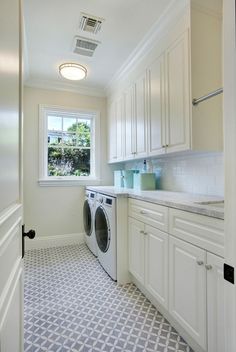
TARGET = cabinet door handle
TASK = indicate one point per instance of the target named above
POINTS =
(208, 266)
(200, 262)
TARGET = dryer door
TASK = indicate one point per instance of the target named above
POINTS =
(102, 229)
(87, 215)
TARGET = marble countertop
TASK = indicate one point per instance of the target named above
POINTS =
(195, 203)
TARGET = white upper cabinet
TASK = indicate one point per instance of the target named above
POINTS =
(183, 65)
(116, 130)
(140, 117)
(129, 137)
(156, 107)
(177, 96)
(112, 155)
(119, 128)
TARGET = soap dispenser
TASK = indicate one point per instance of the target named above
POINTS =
(144, 166)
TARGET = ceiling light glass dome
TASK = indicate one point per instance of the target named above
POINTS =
(72, 71)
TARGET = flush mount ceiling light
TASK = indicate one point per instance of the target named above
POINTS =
(72, 71)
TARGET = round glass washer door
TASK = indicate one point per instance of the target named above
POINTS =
(102, 229)
(87, 216)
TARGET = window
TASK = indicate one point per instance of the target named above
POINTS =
(68, 144)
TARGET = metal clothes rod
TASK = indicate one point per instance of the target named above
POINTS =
(207, 96)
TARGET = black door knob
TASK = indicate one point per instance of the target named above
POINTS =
(30, 234)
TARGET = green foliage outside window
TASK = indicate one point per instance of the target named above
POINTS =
(69, 152)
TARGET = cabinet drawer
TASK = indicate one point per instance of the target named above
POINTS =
(149, 213)
(203, 231)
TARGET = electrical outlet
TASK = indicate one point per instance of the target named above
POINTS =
(229, 273)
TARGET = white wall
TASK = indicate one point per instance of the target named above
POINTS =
(195, 173)
(55, 210)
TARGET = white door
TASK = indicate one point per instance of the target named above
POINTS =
(136, 249)
(156, 107)
(140, 117)
(178, 101)
(187, 288)
(215, 303)
(11, 263)
(156, 264)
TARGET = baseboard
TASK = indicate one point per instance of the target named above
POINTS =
(54, 241)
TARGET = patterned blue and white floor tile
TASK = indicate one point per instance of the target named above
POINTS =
(71, 304)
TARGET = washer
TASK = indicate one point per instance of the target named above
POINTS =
(105, 232)
(88, 217)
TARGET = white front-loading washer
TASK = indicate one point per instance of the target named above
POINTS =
(88, 218)
(105, 232)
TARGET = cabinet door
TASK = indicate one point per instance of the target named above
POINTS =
(129, 124)
(136, 249)
(119, 128)
(156, 264)
(156, 107)
(140, 125)
(187, 288)
(215, 303)
(112, 154)
(178, 101)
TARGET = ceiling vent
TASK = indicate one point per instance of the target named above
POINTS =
(90, 23)
(85, 46)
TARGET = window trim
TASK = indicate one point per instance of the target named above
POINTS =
(43, 148)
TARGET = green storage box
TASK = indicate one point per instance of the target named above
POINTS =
(144, 181)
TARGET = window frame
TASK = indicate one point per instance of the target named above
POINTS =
(44, 179)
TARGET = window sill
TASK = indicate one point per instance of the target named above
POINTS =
(62, 182)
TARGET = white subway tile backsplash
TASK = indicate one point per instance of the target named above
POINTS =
(197, 173)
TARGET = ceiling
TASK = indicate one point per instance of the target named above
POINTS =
(50, 27)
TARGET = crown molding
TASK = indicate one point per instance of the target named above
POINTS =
(171, 13)
(64, 86)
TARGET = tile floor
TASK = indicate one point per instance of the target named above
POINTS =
(71, 304)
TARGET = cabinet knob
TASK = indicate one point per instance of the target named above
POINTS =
(141, 231)
(145, 233)
(143, 212)
(208, 266)
(163, 146)
(200, 262)
(167, 145)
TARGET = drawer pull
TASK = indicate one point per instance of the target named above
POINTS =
(208, 266)
(200, 262)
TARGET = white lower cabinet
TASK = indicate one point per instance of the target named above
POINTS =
(184, 278)
(136, 249)
(156, 264)
(148, 258)
(215, 303)
(187, 288)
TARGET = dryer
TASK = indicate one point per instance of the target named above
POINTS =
(105, 232)
(88, 218)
